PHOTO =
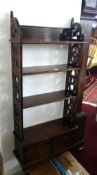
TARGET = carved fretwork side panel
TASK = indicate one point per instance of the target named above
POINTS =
(72, 80)
(70, 109)
(15, 29)
(16, 51)
(74, 55)
(74, 60)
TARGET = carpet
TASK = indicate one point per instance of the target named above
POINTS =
(88, 156)
(88, 82)
(90, 94)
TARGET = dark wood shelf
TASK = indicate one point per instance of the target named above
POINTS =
(47, 69)
(46, 98)
(43, 35)
(29, 41)
(45, 131)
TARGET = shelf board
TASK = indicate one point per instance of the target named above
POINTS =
(46, 98)
(43, 35)
(46, 69)
(31, 41)
(44, 131)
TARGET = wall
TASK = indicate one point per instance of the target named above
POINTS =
(33, 12)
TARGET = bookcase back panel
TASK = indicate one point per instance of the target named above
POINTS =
(40, 114)
(36, 55)
(43, 33)
(39, 84)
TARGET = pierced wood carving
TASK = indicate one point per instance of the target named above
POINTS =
(16, 51)
(72, 80)
(74, 60)
(74, 56)
(70, 109)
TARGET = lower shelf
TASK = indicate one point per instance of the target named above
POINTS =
(44, 141)
(45, 131)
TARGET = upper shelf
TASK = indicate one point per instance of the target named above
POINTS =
(38, 34)
(45, 35)
(47, 69)
(41, 35)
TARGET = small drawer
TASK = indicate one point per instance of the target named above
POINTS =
(63, 142)
(37, 152)
(38, 155)
(36, 146)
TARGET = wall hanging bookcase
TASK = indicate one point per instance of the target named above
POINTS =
(37, 143)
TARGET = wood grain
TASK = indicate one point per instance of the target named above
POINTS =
(46, 98)
(47, 69)
(44, 131)
(43, 35)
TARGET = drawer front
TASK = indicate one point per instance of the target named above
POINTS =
(63, 142)
(37, 152)
(37, 156)
(36, 146)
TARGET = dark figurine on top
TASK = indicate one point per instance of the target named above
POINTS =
(74, 33)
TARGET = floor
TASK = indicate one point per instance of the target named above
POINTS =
(68, 162)
(1, 165)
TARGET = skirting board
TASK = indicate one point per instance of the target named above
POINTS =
(1, 165)
(12, 167)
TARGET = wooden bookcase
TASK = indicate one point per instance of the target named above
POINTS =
(37, 143)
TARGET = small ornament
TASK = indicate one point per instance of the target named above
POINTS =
(74, 33)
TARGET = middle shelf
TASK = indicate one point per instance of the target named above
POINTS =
(47, 69)
(36, 100)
